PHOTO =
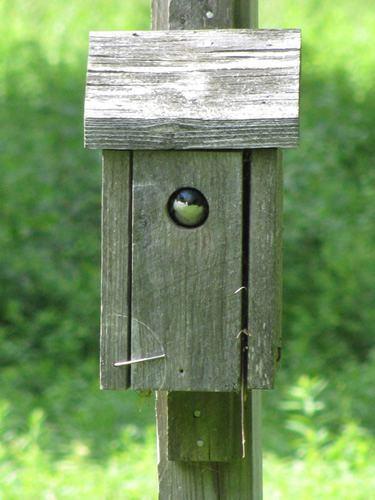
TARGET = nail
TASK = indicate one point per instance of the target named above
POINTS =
(132, 361)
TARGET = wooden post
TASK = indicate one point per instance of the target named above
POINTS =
(197, 463)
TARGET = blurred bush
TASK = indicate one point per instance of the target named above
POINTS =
(324, 465)
(329, 237)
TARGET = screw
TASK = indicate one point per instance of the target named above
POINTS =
(200, 443)
(209, 15)
(197, 413)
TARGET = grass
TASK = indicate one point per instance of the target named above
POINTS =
(30, 469)
(325, 465)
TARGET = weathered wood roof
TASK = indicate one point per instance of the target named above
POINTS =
(209, 89)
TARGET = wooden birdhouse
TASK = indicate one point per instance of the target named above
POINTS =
(191, 124)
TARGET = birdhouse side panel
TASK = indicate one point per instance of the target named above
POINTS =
(265, 267)
(114, 336)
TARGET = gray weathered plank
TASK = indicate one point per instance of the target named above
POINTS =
(197, 422)
(241, 478)
(182, 480)
(159, 14)
(184, 281)
(214, 16)
(216, 89)
(265, 267)
(195, 14)
(114, 339)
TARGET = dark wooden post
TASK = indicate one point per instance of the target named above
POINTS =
(210, 443)
(193, 309)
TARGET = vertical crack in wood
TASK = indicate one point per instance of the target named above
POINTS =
(245, 283)
(217, 477)
(130, 258)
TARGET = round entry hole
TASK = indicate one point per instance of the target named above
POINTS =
(188, 207)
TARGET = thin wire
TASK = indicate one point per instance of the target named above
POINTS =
(133, 361)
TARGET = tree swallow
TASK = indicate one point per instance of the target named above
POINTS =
(188, 207)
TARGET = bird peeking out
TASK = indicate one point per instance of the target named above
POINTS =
(188, 207)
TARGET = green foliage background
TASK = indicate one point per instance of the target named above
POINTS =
(58, 431)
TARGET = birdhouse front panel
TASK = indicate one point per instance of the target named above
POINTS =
(184, 277)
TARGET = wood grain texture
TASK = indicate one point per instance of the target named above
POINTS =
(265, 267)
(159, 14)
(197, 422)
(195, 14)
(209, 89)
(184, 281)
(114, 338)
(241, 478)
(200, 15)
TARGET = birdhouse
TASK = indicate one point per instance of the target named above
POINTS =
(191, 124)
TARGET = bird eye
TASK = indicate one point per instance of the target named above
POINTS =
(188, 208)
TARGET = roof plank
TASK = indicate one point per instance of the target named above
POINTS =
(217, 89)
